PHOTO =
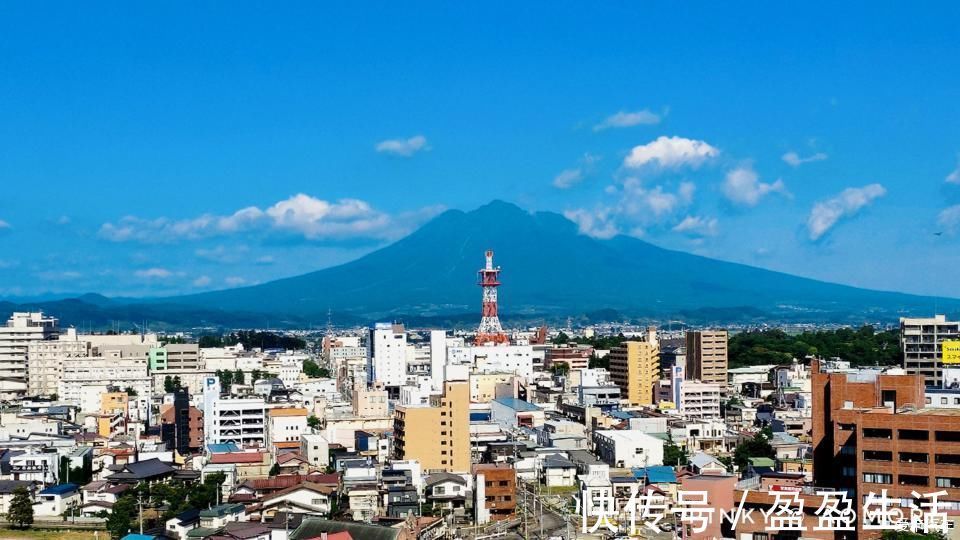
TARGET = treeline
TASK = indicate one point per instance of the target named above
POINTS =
(862, 347)
(254, 339)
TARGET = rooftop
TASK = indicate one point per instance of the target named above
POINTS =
(287, 411)
(517, 404)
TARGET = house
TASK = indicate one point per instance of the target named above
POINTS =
(447, 491)
(292, 463)
(628, 448)
(558, 471)
(248, 464)
(313, 527)
(55, 500)
(220, 515)
(240, 530)
(703, 463)
(181, 524)
(7, 487)
(305, 498)
(402, 501)
(258, 488)
(364, 502)
(149, 471)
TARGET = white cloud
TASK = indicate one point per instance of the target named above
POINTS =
(742, 186)
(570, 177)
(949, 218)
(307, 216)
(670, 153)
(567, 178)
(595, 224)
(4, 224)
(234, 281)
(625, 119)
(697, 226)
(954, 177)
(403, 147)
(265, 259)
(202, 281)
(60, 275)
(640, 202)
(794, 160)
(153, 273)
(826, 214)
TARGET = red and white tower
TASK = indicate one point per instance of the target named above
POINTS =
(490, 330)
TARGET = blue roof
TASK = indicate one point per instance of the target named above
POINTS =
(479, 416)
(217, 448)
(517, 404)
(60, 490)
(659, 474)
(621, 415)
(135, 536)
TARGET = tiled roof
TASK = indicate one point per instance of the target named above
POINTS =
(237, 457)
(287, 411)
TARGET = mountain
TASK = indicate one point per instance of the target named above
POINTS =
(551, 270)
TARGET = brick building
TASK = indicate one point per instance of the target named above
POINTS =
(496, 491)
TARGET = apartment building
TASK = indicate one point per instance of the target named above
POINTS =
(21, 330)
(635, 368)
(387, 355)
(286, 424)
(699, 400)
(496, 492)
(706, 356)
(370, 402)
(176, 357)
(45, 361)
(922, 342)
(437, 435)
(239, 421)
(84, 379)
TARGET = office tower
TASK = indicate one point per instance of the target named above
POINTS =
(175, 421)
(706, 356)
(437, 435)
(21, 330)
(635, 368)
(922, 344)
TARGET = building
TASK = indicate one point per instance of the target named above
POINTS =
(628, 448)
(45, 361)
(175, 421)
(635, 368)
(21, 330)
(85, 379)
(699, 400)
(706, 356)
(496, 492)
(922, 342)
(512, 413)
(437, 435)
(238, 421)
(286, 424)
(370, 402)
(387, 355)
(176, 357)
(574, 356)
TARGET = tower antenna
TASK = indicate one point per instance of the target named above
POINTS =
(490, 330)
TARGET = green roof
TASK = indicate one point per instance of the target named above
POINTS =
(761, 462)
(202, 532)
(314, 527)
(222, 510)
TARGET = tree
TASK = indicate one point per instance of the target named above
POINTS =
(314, 371)
(313, 422)
(756, 446)
(275, 469)
(238, 377)
(118, 523)
(131, 392)
(560, 368)
(907, 535)
(226, 379)
(561, 339)
(168, 384)
(21, 508)
(255, 375)
(674, 455)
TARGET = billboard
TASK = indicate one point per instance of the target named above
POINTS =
(951, 352)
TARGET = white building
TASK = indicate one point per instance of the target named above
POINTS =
(699, 400)
(387, 355)
(286, 424)
(84, 379)
(922, 341)
(516, 359)
(628, 448)
(45, 361)
(21, 330)
(240, 421)
(315, 449)
(438, 357)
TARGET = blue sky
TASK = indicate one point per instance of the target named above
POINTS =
(179, 148)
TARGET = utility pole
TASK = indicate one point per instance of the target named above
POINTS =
(140, 510)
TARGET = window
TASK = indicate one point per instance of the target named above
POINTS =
(877, 433)
(943, 401)
(849, 471)
(877, 478)
(877, 455)
(946, 482)
(948, 436)
(439, 490)
(947, 459)
(846, 427)
(914, 457)
(503, 483)
(912, 480)
(914, 434)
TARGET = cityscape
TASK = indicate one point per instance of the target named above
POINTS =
(434, 271)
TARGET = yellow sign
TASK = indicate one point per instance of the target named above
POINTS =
(951, 352)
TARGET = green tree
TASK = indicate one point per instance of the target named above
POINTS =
(239, 377)
(131, 392)
(560, 368)
(314, 371)
(561, 339)
(756, 446)
(275, 469)
(255, 375)
(123, 511)
(21, 508)
(313, 422)
(168, 384)
(674, 455)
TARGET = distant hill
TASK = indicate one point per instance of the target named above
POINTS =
(550, 272)
(549, 268)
